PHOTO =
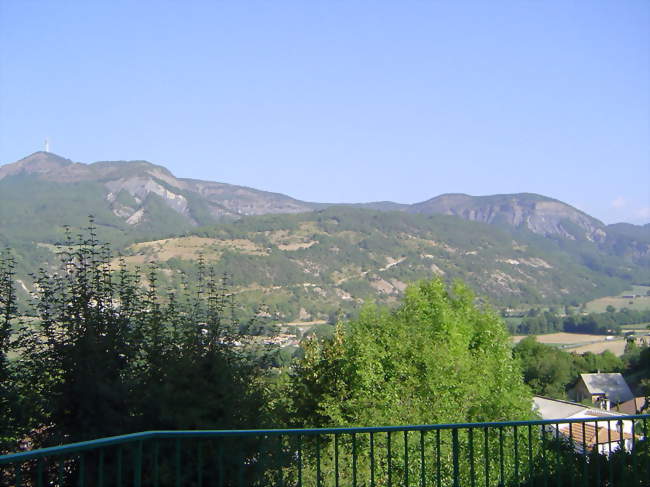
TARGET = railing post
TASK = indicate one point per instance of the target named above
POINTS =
(18, 474)
(633, 446)
(609, 449)
(516, 448)
(199, 464)
(82, 470)
(299, 460)
(354, 460)
(486, 456)
(530, 454)
(372, 459)
(279, 461)
(585, 458)
(336, 460)
(472, 473)
(60, 471)
(646, 445)
(137, 465)
(177, 462)
(455, 448)
(119, 465)
(318, 475)
(422, 466)
(388, 454)
(406, 458)
(156, 465)
(622, 455)
(100, 469)
(438, 460)
(501, 459)
(39, 472)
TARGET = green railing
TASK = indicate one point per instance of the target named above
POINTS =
(533, 453)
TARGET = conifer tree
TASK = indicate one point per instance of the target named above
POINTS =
(8, 400)
(110, 352)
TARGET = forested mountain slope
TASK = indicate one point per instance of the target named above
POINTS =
(308, 260)
(310, 265)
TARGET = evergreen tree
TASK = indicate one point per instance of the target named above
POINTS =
(111, 353)
(8, 396)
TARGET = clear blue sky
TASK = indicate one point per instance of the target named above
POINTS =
(343, 101)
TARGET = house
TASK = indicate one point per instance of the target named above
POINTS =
(637, 405)
(603, 434)
(610, 388)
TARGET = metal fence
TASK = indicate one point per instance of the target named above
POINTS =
(605, 451)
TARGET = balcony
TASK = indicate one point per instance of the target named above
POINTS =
(579, 452)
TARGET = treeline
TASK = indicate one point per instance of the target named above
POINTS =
(610, 322)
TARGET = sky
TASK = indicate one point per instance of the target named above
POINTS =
(336, 101)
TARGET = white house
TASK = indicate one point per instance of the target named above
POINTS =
(604, 433)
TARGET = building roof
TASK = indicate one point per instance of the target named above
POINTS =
(612, 385)
(592, 436)
(633, 406)
(557, 409)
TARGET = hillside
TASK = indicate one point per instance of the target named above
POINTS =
(308, 266)
(134, 196)
(307, 260)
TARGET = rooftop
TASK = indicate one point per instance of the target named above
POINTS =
(549, 408)
(612, 385)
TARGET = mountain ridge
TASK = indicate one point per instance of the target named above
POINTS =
(317, 256)
(203, 202)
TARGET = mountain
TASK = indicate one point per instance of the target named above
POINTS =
(125, 188)
(148, 197)
(513, 248)
(536, 213)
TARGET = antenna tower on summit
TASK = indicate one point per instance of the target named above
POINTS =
(47, 145)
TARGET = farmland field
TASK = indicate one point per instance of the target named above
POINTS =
(579, 342)
(617, 347)
(562, 338)
(638, 303)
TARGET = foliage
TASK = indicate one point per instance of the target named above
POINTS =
(8, 400)
(550, 371)
(538, 322)
(342, 255)
(437, 358)
(107, 356)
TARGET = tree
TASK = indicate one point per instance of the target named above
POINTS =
(8, 397)
(438, 358)
(110, 353)
(547, 370)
